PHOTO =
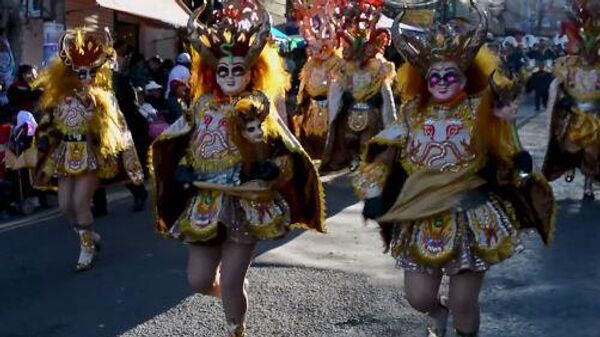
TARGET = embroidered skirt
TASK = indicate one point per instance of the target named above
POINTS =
(468, 238)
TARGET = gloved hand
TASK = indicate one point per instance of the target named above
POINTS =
(184, 174)
(523, 162)
(265, 170)
(373, 208)
(43, 144)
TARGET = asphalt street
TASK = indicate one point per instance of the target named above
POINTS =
(306, 285)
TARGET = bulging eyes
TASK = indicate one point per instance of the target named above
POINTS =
(434, 79)
(235, 71)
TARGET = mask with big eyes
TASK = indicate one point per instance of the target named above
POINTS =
(445, 81)
(253, 132)
(232, 76)
(87, 75)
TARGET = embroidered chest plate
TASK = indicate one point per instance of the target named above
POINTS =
(212, 146)
(442, 140)
(73, 115)
(317, 81)
(584, 84)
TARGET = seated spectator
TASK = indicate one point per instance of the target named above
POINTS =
(152, 101)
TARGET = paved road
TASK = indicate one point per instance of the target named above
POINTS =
(309, 285)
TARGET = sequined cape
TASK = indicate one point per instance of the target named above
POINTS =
(532, 200)
(574, 140)
(303, 193)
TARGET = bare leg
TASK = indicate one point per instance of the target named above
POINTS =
(236, 261)
(65, 199)
(203, 262)
(83, 192)
(422, 294)
(464, 301)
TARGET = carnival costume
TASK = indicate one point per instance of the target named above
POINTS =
(447, 183)
(241, 192)
(82, 129)
(575, 99)
(319, 26)
(360, 99)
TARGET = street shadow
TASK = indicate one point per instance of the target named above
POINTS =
(338, 196)
(138, 275)
(550, 291)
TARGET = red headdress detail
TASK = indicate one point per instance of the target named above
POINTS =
(585, 39)
(241, 28)
(319, 24)
(81, 49)
(361, 39)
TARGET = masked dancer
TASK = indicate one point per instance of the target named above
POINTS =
(229, 173)
(319, 27)
(360, 99)
(575, 103)
(448, 183)
(82, 139)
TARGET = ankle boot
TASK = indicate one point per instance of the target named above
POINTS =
(465, 334)
(89, 242)
(436, 327)
(237, 327)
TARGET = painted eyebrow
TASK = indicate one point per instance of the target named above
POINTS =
(450, 68)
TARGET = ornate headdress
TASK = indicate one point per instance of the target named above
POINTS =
(361, 38)
(319, 24)
(587, 17)
(241, 28)
(424, 39)
(84, 50)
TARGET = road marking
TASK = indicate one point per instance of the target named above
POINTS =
(53, 214)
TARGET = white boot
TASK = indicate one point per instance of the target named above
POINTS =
(89, 244)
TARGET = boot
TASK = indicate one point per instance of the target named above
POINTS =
(464, 334)
(588, 190)
(436, 327)
(237, 327)
(89, 244)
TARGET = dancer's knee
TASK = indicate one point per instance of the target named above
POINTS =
(203, 283)
(422, 301)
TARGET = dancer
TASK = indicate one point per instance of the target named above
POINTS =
(220, 183)
(575, 100)
(82, 138)
(319, 27)
(448, 183)
(360, 99)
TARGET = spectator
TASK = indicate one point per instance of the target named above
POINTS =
(155, 71)
(178, 100)
(181, 72)
(539, 83)
(20, 94)
(514, 59)
(153, 104)
(138, 71)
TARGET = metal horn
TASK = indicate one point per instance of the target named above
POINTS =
(480, 33)
(260, 38)
(409, 47)
(196, 30)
